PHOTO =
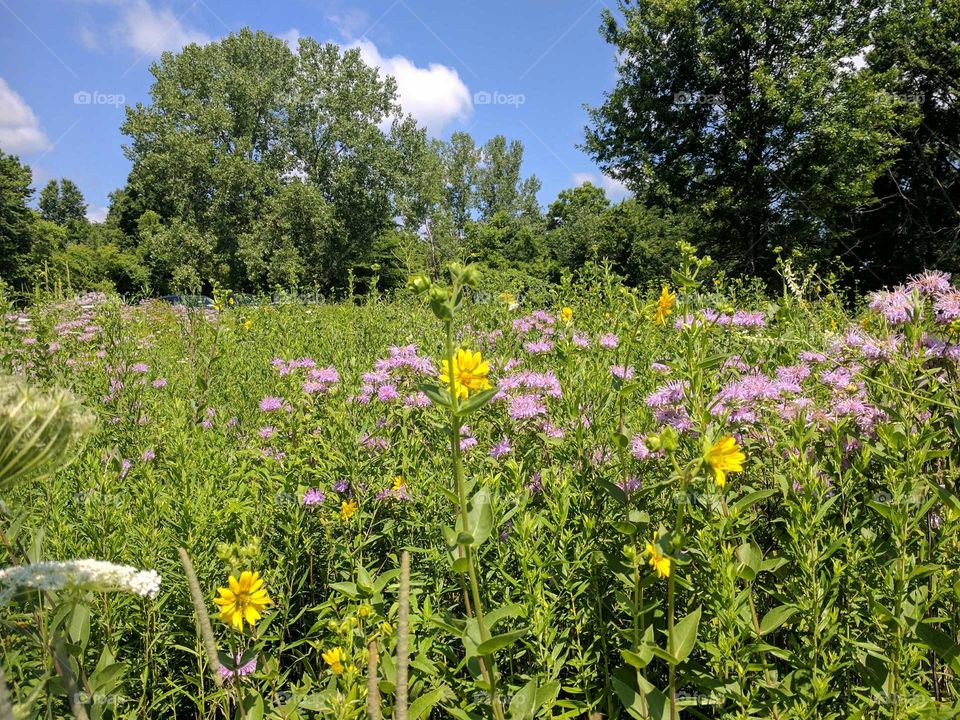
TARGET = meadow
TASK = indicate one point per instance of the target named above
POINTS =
(697, 501)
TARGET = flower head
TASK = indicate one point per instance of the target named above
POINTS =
(724, 456)
(348, 508)
(566, 314)
(334, 658)
(244, 599)
(469, 373)
(664, 306)
(658, 561)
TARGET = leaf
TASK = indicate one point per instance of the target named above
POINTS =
(346, 588)
(477, 401)
(750, 557)
(422, 706)
(775, 618)
(524, 702)
(79, 629)
(685, 635)
(941, 643)
(498, 642)
(497, 614)
(437, 395)
(480, 516)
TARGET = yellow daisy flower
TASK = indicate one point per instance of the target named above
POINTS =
(335, 657)
(664, 306)
(658, 561)
(348, 508)
(723, 457)
(244, 599)
(469, 373)
(566, 314)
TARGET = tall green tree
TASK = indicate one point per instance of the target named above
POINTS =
(574, 222)
(915, 47)
(752, 116)
(62, 202)
(459, 157)
(15, 218)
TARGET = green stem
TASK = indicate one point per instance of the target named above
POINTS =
(487, 661)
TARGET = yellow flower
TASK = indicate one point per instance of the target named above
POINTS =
(723, 457)
(664, 306)
(348, 509)
(386, 628)
(364, 611)
(245, 599)
(398, 484)
(247, 324)
(566, 314)
(506, 298)
(469, 373)
(658, 561)
(335, 658)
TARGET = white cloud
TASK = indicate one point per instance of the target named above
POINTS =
(150, 30)
(292, 38)
(350, 22)
(19, 128)
(435, 95)
(88, 38)
(614, 188)
(97, 213)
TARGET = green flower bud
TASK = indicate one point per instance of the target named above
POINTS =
(419, 283)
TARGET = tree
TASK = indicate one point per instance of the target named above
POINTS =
(574, 223)
(498, 185)
(62, 202)
(914, 47)
(459, 158)
(233, 123)
(749, 115)
(15, 218)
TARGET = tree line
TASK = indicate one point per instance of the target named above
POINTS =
(821, 130)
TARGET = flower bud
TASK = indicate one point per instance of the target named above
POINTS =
(419, 283)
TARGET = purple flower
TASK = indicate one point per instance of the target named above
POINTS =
(638, 447)
(930, 283)
(247, 668)
(746, 318)
(947, 306)
(140, 368)
(271, 403)
(159, 383)
(537, 347)
(660, 367)
(387, 393)
(630, 485)
(895, 305)
(313, 496)
(501, 448)
(266, 432)
(609, 341)
(125, 466)
(581, 340)
(523, 407)
(341, 487)
(148, 455)
(417, 399)
(622, 372)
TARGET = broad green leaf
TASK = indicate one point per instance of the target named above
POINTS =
(775, 618)
(685, 635)
(498, 642)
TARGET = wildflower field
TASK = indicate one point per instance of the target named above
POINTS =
(695, 502)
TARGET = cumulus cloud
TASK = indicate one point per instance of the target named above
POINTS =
(97, 213)
(614, 188)
(150, 30)
(292, 38)
(19, 128)
(435, 95)
(350, 22)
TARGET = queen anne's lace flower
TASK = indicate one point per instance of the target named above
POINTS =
(97, 575)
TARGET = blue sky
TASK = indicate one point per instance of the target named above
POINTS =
(523, 68)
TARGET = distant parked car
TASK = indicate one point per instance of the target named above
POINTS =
(196, 301)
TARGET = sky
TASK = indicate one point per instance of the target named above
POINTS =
(521, 68)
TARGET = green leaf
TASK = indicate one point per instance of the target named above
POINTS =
(750, 557)
(941, 643)
(685, 635)
(79, 629)
(422, 706)
(775, 618)
(480, 516)
(524, 702)
(438, 395)
(477, 401)
(497, 614)
(346, 588)
(498, 642)
(461, 565)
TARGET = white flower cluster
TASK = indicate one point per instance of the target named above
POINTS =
(79, 574)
